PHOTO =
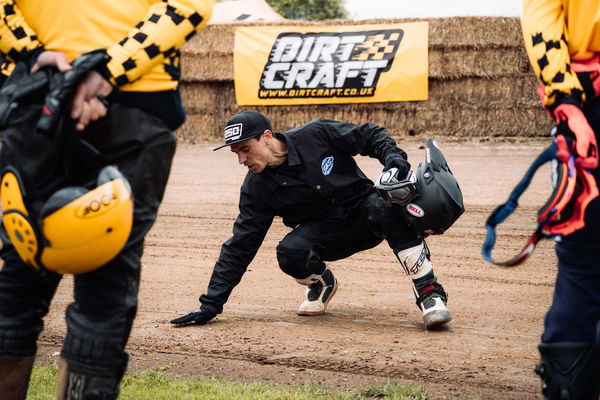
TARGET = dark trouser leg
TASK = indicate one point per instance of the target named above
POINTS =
(99, 323)
(302, 254)
(25, 295)
(570, 348)
(100, 320)
(299, 253)
(24, 300)
(19, 329)
(575, 307)
(413, 255)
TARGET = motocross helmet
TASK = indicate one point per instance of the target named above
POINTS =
(430, 199)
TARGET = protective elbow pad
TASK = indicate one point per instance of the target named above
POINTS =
(569, 371)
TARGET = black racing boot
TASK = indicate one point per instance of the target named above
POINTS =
(431, 296)
(432, 301)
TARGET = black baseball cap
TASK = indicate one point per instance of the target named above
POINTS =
(244, 126)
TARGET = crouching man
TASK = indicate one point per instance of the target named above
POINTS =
(309, 178)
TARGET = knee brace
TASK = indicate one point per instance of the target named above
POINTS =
(80, 380)
(415, 261)
(569, 370)
(95, 356)
(89, 376)
(18, 342)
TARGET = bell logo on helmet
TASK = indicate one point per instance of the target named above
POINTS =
(415, 210)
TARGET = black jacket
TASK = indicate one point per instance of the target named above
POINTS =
(319, 181)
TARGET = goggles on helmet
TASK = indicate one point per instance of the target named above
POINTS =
(392, 190)
(562, 214)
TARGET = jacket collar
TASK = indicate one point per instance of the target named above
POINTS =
(293, 156)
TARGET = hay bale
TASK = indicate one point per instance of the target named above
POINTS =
(480, 86)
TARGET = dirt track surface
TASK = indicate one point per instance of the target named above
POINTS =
(373, 331)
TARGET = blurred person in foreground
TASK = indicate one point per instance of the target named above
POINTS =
(126, 107)
(308, 176)
(562, 38)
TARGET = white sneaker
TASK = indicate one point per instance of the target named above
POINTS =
(318, 294)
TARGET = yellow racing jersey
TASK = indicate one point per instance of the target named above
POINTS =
(557, 32)
(143, 37)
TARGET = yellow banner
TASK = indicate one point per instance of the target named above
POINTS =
(280, 65)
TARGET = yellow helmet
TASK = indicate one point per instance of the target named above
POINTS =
(76, 230)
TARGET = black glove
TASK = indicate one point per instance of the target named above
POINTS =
(22, 88)
(397, 162)
(200, 316)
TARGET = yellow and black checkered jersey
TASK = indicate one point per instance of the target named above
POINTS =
(143, 37)
(556, 32)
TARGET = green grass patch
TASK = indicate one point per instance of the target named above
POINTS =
(158, 385)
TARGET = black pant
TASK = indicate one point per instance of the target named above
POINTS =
(302, 252)
(99, 320)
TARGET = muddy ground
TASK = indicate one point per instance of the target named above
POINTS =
(373, 331)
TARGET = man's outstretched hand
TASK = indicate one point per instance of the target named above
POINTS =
(200, 316)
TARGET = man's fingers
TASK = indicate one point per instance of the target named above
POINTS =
(200, 317)
(183, 320)
(63, 64)
(105, 88)
(59, 60)
(97, 109)
(91, 110)
(87, 106)
(78, 100)
(84, 118)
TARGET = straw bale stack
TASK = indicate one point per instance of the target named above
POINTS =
(480, 86)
